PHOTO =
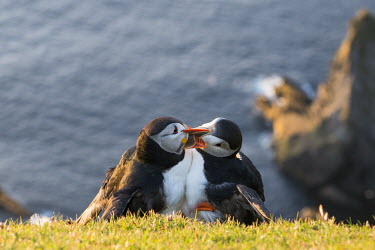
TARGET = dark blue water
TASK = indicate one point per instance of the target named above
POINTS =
(79, 79)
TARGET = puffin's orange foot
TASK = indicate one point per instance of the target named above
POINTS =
(205, 206)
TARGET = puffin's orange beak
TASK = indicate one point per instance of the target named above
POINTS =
(198, 142)
(196, 131)
(194, 140)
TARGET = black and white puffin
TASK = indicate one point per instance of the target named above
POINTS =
(223, 181)
(149, 176)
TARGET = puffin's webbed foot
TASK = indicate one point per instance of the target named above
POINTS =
(205, 206)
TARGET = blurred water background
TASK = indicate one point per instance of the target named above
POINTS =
(79, 79)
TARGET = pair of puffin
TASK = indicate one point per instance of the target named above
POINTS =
(198, 171)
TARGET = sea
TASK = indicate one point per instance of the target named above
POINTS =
(79, 80)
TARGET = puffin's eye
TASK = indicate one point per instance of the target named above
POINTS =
(218, 145)
(175, 131)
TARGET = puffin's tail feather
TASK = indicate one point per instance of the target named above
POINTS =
(99, 202)
(256, 202)
(93, 210)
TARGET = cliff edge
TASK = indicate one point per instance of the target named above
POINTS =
(328, 144)
(11, 206)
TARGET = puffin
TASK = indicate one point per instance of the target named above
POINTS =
(223, 182)
(149, 176)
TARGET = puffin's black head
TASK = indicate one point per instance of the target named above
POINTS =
(224, 138)
(162, 139)
(157, 125)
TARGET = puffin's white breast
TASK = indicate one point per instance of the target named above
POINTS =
(196, 191)
(174, 183)
(196, 181)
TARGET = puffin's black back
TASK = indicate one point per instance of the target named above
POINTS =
(234, 170)
(235, 188)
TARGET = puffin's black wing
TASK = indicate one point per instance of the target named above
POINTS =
(255, 179)
(255, 201)
(107, 188)
(108, 176)
(118, 204)
(218, 192)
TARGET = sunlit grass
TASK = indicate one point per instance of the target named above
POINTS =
(158, 232)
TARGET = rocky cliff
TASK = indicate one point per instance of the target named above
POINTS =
(11, 206)
(328, 144)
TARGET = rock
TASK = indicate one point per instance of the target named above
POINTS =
(290, 98)
(328, 144)
(12, 206)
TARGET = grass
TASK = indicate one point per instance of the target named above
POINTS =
(159, 232)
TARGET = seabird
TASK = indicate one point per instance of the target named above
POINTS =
(150, 175)
(223, 181)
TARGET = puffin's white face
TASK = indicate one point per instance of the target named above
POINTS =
(217, 147)
(171, 139)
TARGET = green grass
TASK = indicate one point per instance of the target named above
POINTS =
(159, 232)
